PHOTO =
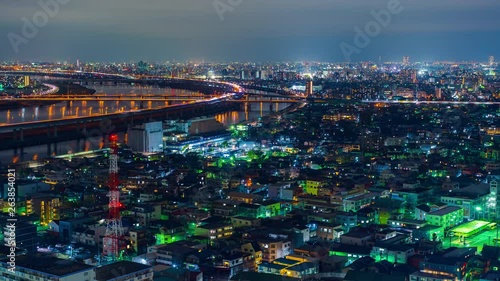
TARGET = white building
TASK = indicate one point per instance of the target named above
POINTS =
(392, 253)
(494, 200)
(38, 267)
(146, 138)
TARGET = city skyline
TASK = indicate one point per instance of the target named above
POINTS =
(249, 31)
(230, 140)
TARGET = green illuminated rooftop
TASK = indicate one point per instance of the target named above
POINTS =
(471, 226)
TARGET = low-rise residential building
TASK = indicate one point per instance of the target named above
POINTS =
(472, 199)
(244, 197)
(348, 220)
(274, 249)
(39, 267)
(139, 240)
(448, 216)
(329, 232)
(357, 238)
(240, 221)
(453, 268)
(301, 270)
(144, 214)
(171, 254)
(124, 271)
(392, 253)
(254, 250)
(214, 230)
(169, 231)
(350, 251)
(289, 268)
(312, 186)
(357, 202)
(367, 216)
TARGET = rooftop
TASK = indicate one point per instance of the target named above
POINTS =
(118, 269)
(352, 249)
(242, 195)
(51, 265)
(361, 197)
(286, 261)
(470, 226)
(371, 276)
(177, 249)
(214, 225)
(256, 276)
(357, 234)
(444, 211)
(273, 265)
(430, 276)
(301, 266)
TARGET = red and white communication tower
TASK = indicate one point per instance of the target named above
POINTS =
(113, 240)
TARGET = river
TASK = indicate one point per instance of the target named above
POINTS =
(62, 110)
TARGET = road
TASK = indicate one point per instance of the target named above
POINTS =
(433, 102)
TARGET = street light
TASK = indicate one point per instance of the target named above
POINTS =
(478, 212)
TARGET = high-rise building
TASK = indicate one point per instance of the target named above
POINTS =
(146, 138)
(45, 207)
(494, 200)
(439, 93)
(406, 60)
(26, 81)
(246, 75)
(309, 88)
(414, 76)
(491, 60)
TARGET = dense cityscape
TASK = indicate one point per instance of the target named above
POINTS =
(368, 170)
(227, 140)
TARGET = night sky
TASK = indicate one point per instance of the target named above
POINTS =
(254, 30)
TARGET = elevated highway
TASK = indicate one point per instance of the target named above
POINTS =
(432, 102)
(204, 86)
(50, 132)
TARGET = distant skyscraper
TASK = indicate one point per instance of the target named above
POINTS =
(245, 75)
(414, 76)
(309, 87)
(78, 64)
(26, 81)
(439, 93)
(406, 60)
(491, 60)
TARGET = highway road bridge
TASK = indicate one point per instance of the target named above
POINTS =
(20, 135)
(50, 132)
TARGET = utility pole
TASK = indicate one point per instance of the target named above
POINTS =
(496, 241)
